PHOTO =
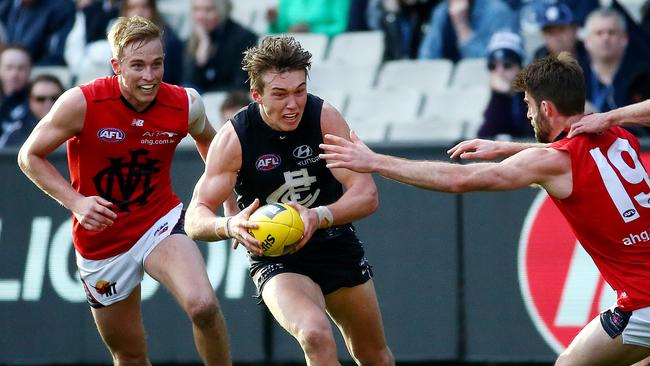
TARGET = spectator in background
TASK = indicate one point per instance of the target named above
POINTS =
(505, 113)
(86, 48)
(15, 69)
(640, 86)
(402, 22)
(235, 100)
(98, 14)
(43, 91)
(560, 30)
(462, 28)
(611, 68)
(41, 26)
(173, 46)
(216, 48)
(357, 16)
(329, 17)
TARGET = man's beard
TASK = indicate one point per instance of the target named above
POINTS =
(542, 127)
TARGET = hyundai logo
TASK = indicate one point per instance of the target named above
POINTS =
(302, 152)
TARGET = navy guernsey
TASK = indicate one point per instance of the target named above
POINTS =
(283, 166)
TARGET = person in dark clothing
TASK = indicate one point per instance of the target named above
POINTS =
(612, 65)
(505, 113)
(15, 69)
(98, 15)
(41, 26)
(560, 30)
(269, 152)
(42, 92)
(216, 48)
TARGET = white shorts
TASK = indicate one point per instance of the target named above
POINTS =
(637, 331)
(110, 280)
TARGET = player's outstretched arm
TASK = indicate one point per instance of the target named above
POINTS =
(64, 120)
(213, 189)
(533, 165)
(479, 149)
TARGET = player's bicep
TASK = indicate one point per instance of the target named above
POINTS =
(532, 166)
(64, 120)
(222, 164)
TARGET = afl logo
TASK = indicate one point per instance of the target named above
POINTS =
(267, 162)
(302, 152)
(111, 134)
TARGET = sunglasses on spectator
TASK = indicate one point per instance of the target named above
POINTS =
(492, 65)
(43, 98)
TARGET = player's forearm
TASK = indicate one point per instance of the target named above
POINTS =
(48, 179)
(202, 224)
(431, 175)
(356, 203)
(636, 114)
(509, 148)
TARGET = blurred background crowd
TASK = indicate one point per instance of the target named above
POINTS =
(398, 70)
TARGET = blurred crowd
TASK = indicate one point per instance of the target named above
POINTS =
(611, 44)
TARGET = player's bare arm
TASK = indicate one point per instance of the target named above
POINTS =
(199, 127)
(547, 167)
(64, 120)
(213, 188)
(480, 149)
(634, 114)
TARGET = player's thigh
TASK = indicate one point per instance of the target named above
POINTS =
(296, 302)
(178, 264)
(594, 347)
(120, 325)
(355, 310)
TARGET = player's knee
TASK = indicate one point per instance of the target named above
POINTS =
(203, 312)
(317, 339)
(374, 357)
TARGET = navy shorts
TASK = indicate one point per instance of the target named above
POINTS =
(333, 258)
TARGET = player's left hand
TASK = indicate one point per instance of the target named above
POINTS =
(591, 123)
(239, 227)
(353, 154)
(310, 220)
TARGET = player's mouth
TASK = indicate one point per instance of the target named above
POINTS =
(147, 88)
(290, 117)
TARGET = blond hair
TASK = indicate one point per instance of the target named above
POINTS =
(131, 30)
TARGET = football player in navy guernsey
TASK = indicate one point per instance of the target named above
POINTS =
(268, 152)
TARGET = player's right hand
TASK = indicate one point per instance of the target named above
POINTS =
(477, 149)
(239, 227)
(94, 213)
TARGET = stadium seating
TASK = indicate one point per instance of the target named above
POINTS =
(424, 75)
(329, 75)
(470, 72)
(383, 106)
(357, 48)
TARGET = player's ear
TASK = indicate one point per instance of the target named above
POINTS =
(115, 65)
(256, 95)
(548, 108)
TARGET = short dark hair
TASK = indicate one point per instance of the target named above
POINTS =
(48, 78)
(274, 53)
(556, 78)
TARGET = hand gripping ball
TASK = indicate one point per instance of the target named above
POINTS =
(279, 227)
